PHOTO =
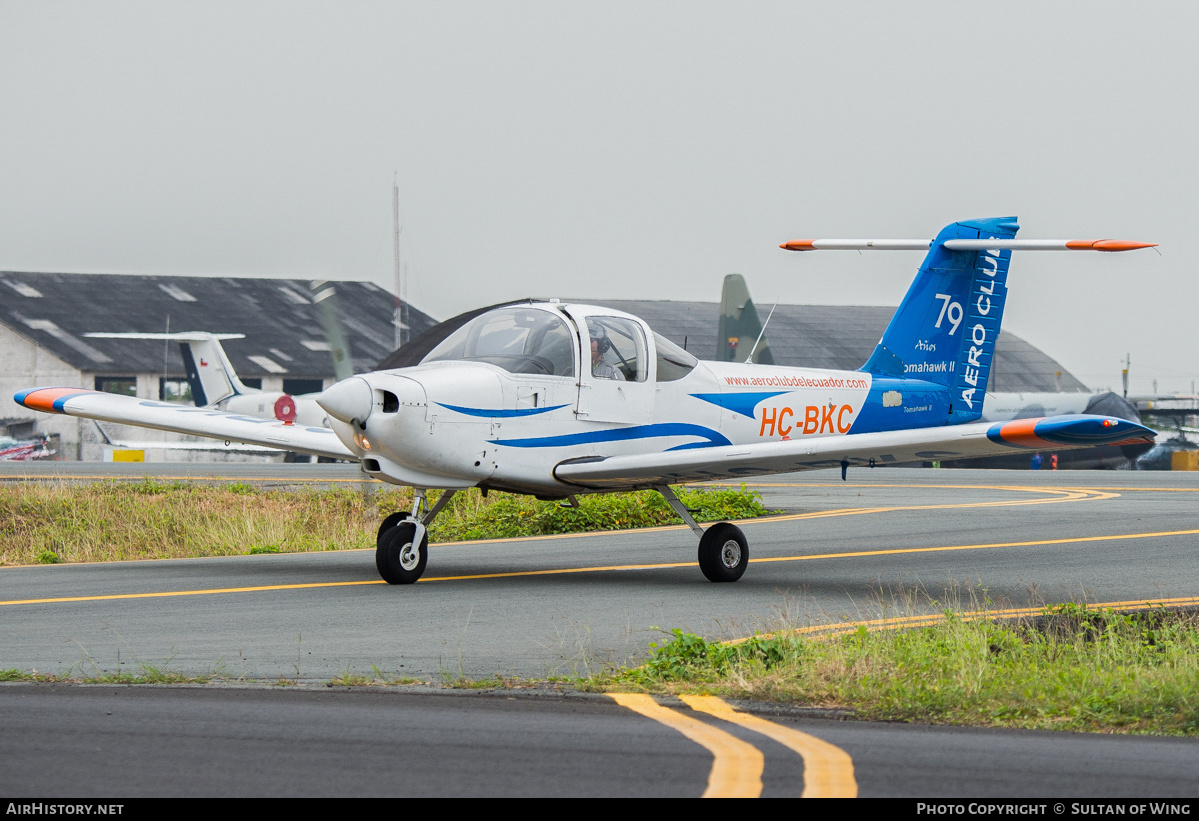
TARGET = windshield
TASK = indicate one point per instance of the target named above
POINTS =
(673, 362)
(519, 340)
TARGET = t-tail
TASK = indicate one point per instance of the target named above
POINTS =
(946, 328)
(209, 371)
(944, 332)
(210, 374)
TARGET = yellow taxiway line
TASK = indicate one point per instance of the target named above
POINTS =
(827, 769)
(736, 766)
(601, 569)
(927, 619)
(1058, 495)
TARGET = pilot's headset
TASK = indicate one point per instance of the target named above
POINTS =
(600, 335)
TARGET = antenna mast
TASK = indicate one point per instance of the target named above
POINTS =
(761, 333)
(399, 277)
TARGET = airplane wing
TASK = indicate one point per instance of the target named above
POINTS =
(920, 444)
(207, 447)
(231, 427)
(1108, 245)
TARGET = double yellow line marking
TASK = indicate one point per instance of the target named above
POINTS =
(737, 765)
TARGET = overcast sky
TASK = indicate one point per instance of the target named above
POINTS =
(617, 150)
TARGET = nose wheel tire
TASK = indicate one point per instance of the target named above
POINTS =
(723, 553)
(390, 522)
(400, 561)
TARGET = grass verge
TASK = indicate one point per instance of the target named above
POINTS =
(1071, 668)
(111, 521)
(145, 675)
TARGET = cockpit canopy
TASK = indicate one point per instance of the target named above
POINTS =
(517, 339)
(527, 339)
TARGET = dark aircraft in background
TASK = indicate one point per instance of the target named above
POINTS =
(740, 337)
(1177, 452)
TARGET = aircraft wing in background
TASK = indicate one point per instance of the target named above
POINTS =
(205, 447)
(215, 424)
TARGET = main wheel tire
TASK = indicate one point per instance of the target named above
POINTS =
(398, 560)
(723, 553)
(390, 522)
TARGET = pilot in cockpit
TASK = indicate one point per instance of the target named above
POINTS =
(600, 345)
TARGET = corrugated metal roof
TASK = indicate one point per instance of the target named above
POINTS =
(837, 336)
(277, 316)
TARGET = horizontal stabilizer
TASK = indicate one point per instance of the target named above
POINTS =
(185, 336)
(966, 245)
(215, 424)
(888, 447)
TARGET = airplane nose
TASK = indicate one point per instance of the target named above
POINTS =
(348, 400)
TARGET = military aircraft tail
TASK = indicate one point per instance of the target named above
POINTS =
(740, 326)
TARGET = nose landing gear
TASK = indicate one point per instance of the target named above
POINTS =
(400, 556)
(402, 546)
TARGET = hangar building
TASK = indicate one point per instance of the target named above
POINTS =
(44, 319)
(839, 336)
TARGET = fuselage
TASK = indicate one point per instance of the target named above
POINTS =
(503, 417)
(301, 409)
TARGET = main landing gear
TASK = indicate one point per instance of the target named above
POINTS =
(723, 550)
(402, 546)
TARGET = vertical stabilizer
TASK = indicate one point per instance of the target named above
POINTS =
(209, 372)
(740, 325)
(945, 329)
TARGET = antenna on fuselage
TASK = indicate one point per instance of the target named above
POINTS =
(761, 333)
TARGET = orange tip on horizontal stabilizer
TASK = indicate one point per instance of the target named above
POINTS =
(1107, 245)
(799, 245)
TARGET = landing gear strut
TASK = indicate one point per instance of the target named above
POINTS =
(402, 546)
(723, 550)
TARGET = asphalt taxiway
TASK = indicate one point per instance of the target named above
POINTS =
(121, 742)
(885, 543)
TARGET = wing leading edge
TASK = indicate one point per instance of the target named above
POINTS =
(921, 444)
(232, 427)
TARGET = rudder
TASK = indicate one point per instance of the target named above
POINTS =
(945, 329)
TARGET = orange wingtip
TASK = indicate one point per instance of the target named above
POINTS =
(1021, 432)
(799, 245)
(1107, 245)
(43, 399)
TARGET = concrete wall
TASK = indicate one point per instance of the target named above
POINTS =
(24, 365)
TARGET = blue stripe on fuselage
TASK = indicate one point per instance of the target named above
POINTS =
(654, 431)
(494, 413)
(742, 403)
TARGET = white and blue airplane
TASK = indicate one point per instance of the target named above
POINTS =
(555, 400)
